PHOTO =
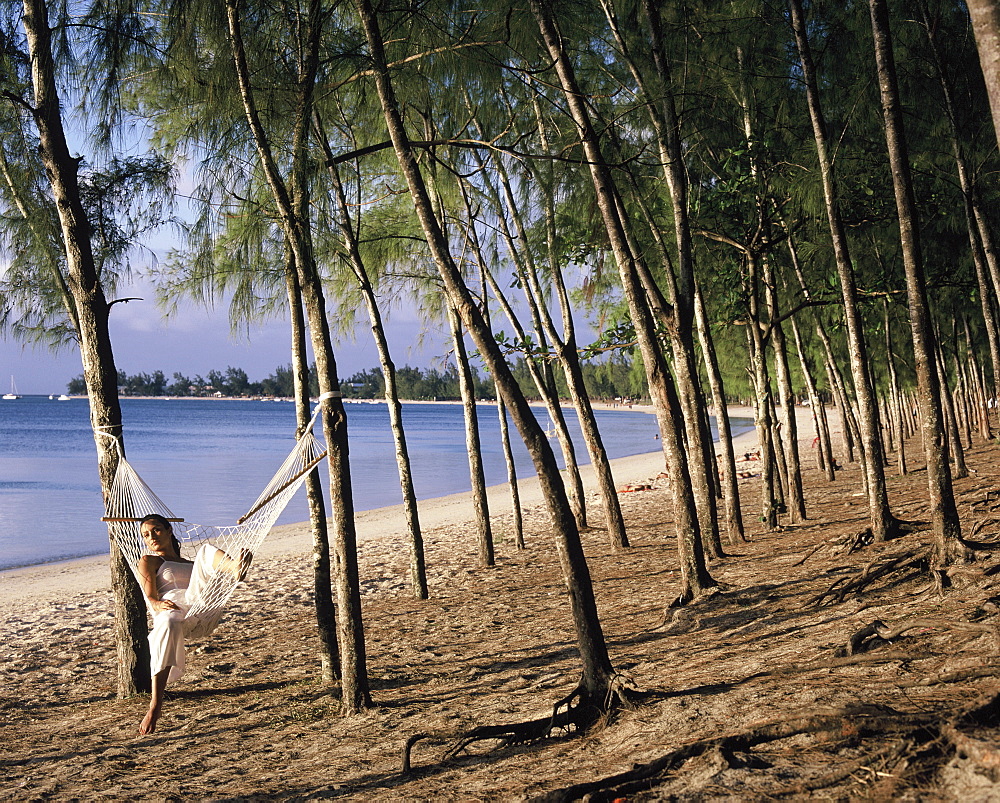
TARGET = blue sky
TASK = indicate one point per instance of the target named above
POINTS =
(196, 340)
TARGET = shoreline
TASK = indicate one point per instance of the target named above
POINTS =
(597, 405)
(376, 482)
(58, 582)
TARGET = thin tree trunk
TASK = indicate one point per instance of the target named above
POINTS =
(730, 485)
(980, 234)
(596, 663)
(326, 614)
(889, 432)
(976, 381)
(769, 507)
(545, 385)
(565, 346)
(953, 437)
(680, 323)
(473, 445)
(789, 433)
(843, 406)
(942, 498)
(883, 524)
(695, 578)
(780, 463)
(692, 399)
(834, 378)
(824, 451)
(293, 214)
(896, 396)
(418, 565)
(961, 398)
(517, 517)
(545, 332)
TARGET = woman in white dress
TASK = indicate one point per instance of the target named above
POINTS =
(172, 584)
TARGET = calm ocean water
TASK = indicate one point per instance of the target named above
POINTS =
(209, 459)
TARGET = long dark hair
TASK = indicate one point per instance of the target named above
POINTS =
(158, 519)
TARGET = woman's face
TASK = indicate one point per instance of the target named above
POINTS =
(157, 536)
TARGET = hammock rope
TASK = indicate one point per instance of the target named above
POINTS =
(130, 499)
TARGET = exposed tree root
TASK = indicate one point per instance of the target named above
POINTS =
(405, 768)
(878, 633)
(919, 746)
(918, 560)
(989, 501)
(575, 713)
(982, 524)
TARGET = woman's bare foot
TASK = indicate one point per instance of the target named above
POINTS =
(148, 724)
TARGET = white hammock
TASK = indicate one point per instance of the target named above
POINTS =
(130, 499)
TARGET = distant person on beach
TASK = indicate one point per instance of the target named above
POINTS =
(171, 584)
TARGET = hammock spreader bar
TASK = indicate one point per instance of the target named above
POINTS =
(258, 505)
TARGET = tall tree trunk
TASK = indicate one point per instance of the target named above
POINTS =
(294, 220)
(418, 565)
(953, 437)
(963, 398)
(942, 498)
(896, 396)
(834, 377)
(697, 435)
(789, 432)
(883, 523)
(544, 382)
(756, 346)
(517, 517)
(680, 323)
(545, 333)
(730, 485)
(91, 310)
(695, 578)
(975, 380)
(565, 345)
(326, 614)
(598, 672)
(980, 233)
(473, 445)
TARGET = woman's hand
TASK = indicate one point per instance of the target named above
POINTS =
(163, 605)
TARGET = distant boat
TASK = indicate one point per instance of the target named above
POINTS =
(64, 397)
(13, 390)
